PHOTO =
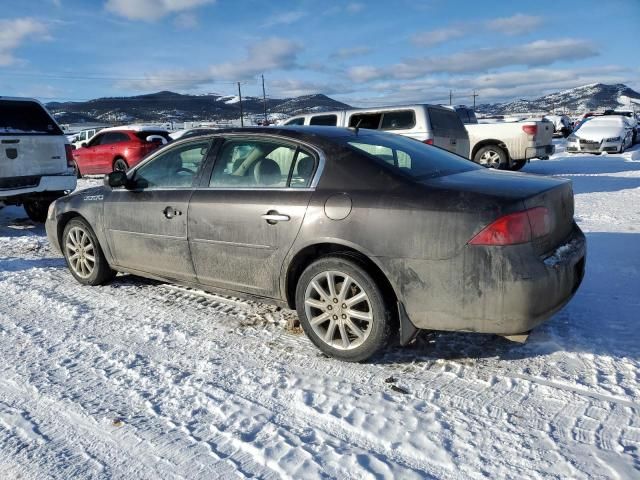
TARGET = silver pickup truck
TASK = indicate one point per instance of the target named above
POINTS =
(36, 165)
(506, 145)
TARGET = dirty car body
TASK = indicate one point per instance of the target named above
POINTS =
(448, 244)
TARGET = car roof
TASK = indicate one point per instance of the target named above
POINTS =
(134, 128)
(304, 133)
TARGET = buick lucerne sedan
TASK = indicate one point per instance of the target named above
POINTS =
(368, 235)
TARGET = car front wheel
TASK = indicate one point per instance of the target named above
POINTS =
(83, 254)
(342, 310)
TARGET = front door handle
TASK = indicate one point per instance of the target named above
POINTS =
(272, 217)
(170, 212)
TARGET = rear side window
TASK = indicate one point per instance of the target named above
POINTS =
(446, 122)
(20, 117)
(326, 120)
(296, 121)
(400, 120)
(365, 120)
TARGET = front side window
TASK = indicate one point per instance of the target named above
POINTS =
(258, 163)
(114, 137)
(296, 121)
(175, 167)
(96, 140)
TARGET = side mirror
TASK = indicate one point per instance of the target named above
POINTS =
(157, 139)
(83, 145)
(116, 179)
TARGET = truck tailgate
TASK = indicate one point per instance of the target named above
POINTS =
(26, 155)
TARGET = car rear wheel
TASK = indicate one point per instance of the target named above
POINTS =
(120, 165)
(83, 254)
(37, 209)
(491, 156)
(342, 310)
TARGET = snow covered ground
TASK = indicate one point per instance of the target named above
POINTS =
(139, 379)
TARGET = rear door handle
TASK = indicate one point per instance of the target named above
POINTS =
(272, 217)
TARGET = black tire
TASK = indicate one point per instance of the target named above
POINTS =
(517, 165)
(492, 156)
(120, 165)
(101, 272)
(37, 209)
(375, 333)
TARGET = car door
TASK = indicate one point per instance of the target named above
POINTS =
(146, 223)
(246, 215)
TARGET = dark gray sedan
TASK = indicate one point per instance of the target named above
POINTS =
(366, 234)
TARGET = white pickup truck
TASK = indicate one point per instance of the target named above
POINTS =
(36, 164)
(506, 145)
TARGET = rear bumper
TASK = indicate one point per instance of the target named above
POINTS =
(26, 186)
(499, 290)
(535, 152)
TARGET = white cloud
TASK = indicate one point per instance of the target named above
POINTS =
(534, 54)
(186, 21)
(295, 88)
(350, 52)
(514, 25)
(435, 37)
(285, 18)
(263, 56)
(150, 10)
(15, 32)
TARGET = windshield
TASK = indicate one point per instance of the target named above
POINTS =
(23, 117)
(407, 156)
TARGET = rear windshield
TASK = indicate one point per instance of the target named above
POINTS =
(408, 156)
(20, 117)
(145, 133)
(446, 122)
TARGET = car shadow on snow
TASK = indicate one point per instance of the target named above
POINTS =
(601, 319)
(19, 264)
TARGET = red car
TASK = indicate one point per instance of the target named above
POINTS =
(117, 148)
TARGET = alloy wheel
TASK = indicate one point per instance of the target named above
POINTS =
(490, 159)
(80, 252)
(339, 310)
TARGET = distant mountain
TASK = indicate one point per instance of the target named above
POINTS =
(165, 106)
(575, 100)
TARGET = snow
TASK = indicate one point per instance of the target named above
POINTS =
(141, 379)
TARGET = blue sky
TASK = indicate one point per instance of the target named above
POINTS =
(361, 52)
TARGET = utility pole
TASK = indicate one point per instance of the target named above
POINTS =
(240, 99)
(474, 100)
(450, 97)
(264, 101)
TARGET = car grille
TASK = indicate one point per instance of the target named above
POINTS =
(19, 182)
(589, 143)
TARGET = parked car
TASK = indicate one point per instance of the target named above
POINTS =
(562, 125)
(118, 148)
(191, 132)
(632, 119)
(608, 133)
(363, 232)
(430, 124)
(36, 165)
(506, 145)
(85, 136)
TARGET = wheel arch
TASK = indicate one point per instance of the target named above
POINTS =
(64, 219)
(489, 142)
(307, 255)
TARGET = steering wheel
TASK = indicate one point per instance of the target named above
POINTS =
(186, 170)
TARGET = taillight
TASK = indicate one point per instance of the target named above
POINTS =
(515, 228)
(428, 141)
(530, 129)
(69, 153)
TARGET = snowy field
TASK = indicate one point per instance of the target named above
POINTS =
(139, 379)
